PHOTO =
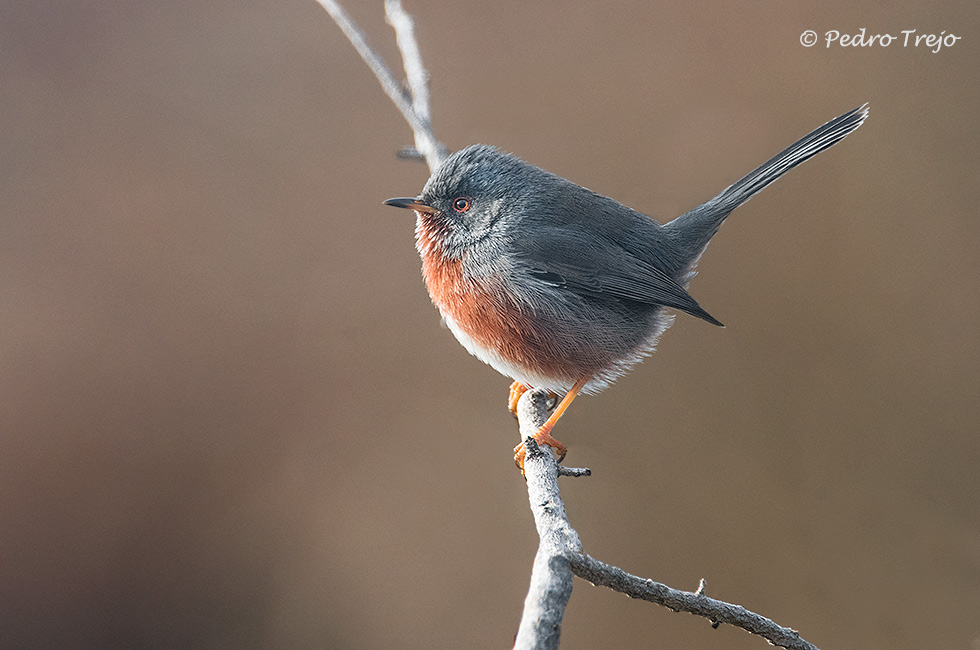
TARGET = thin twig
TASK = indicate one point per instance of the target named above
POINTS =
(694, 602)
(418, 81)
(418, 78)
(434, 152)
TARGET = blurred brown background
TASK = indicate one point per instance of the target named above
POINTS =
(229, 416)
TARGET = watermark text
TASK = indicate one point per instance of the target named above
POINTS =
(907, 38)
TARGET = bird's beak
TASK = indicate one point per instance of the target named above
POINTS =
(413, 203)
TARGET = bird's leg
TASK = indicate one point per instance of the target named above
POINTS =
(543, 435)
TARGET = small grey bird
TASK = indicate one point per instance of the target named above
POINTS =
(559, 287)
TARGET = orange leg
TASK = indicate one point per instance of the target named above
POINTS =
(543, 435)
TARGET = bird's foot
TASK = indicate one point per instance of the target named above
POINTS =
(542, 437)
(517, 389)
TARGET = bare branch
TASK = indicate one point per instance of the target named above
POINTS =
(560, 551)
(694, 602)
(551, 579)
(418, 78)
(418, 81)
(425, 141)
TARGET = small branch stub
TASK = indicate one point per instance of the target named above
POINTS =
(701, 586)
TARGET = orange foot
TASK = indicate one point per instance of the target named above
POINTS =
(542, 437)
(516, 390)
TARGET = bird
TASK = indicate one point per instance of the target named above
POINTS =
(559, 287)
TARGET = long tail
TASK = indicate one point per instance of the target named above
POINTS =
(693, 230)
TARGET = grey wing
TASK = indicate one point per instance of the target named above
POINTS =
(591, 265)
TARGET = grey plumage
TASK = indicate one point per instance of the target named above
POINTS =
(593, 273)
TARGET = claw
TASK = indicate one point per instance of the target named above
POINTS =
(542, 437)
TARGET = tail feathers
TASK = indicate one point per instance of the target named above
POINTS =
(810, 145)
(694, 229)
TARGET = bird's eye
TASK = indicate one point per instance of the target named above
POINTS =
(462, 204)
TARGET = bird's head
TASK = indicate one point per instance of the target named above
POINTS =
(472, 196)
